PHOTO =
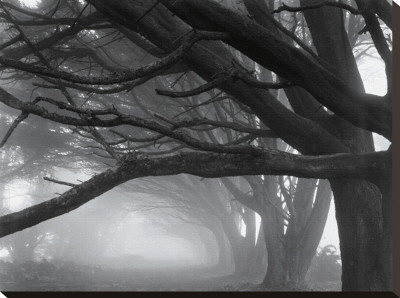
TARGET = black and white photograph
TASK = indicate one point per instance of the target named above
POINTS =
(196, 146)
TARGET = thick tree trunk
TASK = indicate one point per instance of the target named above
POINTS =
(302, 242)
(358, 203)
(387, 234)
(238, 245)
(359, 218)
(258, 259)
(358, 231)
(273, 234)
(387, 208)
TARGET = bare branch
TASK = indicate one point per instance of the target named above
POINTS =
(14, 125)
(213, 165)
(218, 124)
(201, 89)
(92, 120)
(59, 182)
(350, 8)
(123, 76)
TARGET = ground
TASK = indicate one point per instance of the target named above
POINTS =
(70, 276)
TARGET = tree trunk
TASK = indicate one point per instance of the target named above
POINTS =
(238, 248)
(358, 203)
(358, 214)
(387, 232)
(21, 246)
(310, 236)
(225, 262)
(273, 233)
(249, 218)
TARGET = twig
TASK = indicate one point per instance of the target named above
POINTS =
(123, 76)
(59, 182)
(196, 91)
(13, 126)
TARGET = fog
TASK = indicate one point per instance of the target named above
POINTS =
(162, 233)
(121, 232)
(84, 158)
(127, 239)
(119, 225)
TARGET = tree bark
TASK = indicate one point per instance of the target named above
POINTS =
(310, 235)
(276, 273)
(358, 203)
(359, 218)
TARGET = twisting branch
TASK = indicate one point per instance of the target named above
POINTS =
(121, 119)
(271, 162)
(218, 124)
(23, 36)
(126, 138)
(342, 5)
(72, 108)
(220, 80)
(122, 76)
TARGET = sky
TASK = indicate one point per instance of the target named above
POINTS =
(30, 3)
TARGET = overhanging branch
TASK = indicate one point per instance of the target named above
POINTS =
(210, 165)
(122, 76)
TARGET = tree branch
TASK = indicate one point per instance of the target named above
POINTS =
(218, 124)
(59, 182)
(341, 5)
(91, 119)
(203, 88)
(263, 47)
(14, 125)
(210, 165)
(122, 76)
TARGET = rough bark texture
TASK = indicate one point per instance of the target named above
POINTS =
(357, 203)
(273, 234)
(327, 28)
(264, 48)
(200, 164)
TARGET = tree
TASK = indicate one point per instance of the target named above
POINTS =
(323, 89)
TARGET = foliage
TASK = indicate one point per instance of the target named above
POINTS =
(325, 270)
